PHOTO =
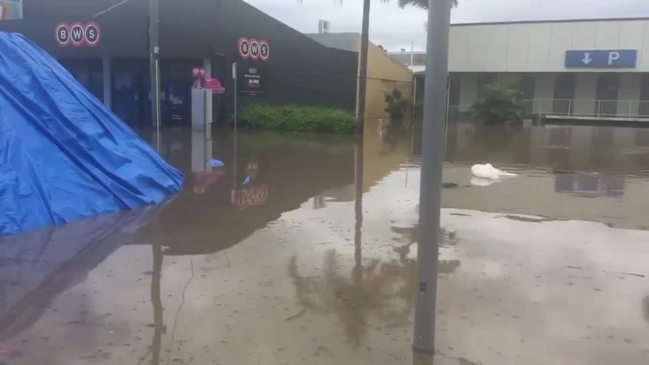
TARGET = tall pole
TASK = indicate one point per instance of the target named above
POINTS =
(362, 68)
(433, 140)
(412, 53)
(154, 59)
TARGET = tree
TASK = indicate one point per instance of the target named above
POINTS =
(419, 3)
(498, 103)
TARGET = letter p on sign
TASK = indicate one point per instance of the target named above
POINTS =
(612, 57)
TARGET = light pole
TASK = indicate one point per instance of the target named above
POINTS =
(432, 161)
(362, 69)
(154, 60)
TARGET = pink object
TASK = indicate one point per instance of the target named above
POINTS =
(202, 82)
(214, 85)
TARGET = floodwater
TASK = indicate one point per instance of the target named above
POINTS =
(259, 262)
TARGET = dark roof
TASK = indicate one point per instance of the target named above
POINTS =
(552, 21)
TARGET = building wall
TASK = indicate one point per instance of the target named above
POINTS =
(584, 100)
(541, 47)
(384, 74)
(468, 91)
(299, 70)
(585, 90)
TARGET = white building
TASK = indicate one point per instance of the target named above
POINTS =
(593, 68)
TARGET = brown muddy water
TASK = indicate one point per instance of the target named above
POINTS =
(258, 262)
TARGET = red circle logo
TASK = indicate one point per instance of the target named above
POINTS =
(77, 34)
(254, 49)
(244, 48)
(62, 34)
(264, 50)
(92, 34)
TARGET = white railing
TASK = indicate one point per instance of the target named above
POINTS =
(629, 109)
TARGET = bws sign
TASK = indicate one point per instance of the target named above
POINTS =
(254, 49)
(77, 34)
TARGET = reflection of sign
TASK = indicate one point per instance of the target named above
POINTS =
(252, 82)
(77, 34)
(11, 9)
(590, 185)
(252, 196)
(253, 49)
(601, 59)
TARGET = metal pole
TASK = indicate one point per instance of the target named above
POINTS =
(362, 68)
(412, 53)
(433, 140)
(154, 59)
(236, 92)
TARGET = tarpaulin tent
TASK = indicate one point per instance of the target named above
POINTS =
(63, 155)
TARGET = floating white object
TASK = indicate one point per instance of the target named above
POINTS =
(487, 171)
(478, 181)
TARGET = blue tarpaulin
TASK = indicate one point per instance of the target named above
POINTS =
(63, 155)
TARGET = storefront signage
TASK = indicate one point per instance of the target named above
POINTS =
(78, 34)
(251, 82)
(254, 49)
(602, 59)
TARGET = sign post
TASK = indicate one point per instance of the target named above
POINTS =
(236, 91)
(154, 55)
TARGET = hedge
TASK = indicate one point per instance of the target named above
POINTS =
(295, 118)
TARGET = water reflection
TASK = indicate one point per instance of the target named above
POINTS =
(38, 266)
(557, 167)
(270, 175)
(271, 233)
(410, 237)
(384, 290)
(590, 185)
(645, 310)
(554, 148)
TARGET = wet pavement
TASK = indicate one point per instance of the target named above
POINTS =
(259, 262)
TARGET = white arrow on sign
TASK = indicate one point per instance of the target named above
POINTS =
(587, 58)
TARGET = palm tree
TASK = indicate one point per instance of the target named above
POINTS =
(419, 3)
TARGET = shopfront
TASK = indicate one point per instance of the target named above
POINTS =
(103, 43)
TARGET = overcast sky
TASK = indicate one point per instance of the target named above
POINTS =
(396, 28)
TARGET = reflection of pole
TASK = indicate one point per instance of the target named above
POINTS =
(235, 167)
(419, 358)
(156, 300)
(439, 14)
(358, 179)
(154, 59)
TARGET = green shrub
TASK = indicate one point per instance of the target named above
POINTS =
(397, 106)
(292, 118)
(498, 103)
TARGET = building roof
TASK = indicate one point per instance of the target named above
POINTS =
(588, 20)
(344, 41)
